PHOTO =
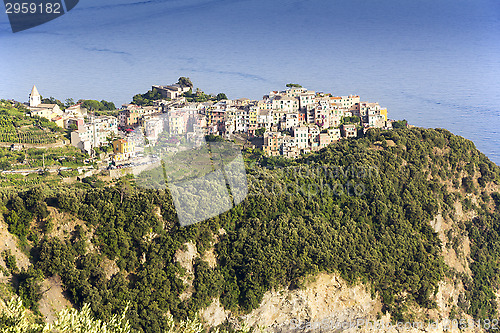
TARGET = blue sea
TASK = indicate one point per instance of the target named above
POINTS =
(434, 63)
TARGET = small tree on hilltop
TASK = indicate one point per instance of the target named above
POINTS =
(185, 82)
(221, 96)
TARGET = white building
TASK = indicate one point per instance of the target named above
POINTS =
(177, 121)
(172, 91)
(240, 119)
(313, 134)
(334, 134)
(347, 102)
(300, 134)
(289, 147)
(153, 127)
(76, 110)
(265, 119)
(81, 139)
(48, 111)
(306, 99)
(95, 133)
(34, 98)
(285, 103)
(37, 108)
(291, 120)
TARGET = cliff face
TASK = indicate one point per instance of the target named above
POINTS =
(326, 300)
(327, 303)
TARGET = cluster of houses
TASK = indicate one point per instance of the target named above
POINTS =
(53, 112)
(292, 121)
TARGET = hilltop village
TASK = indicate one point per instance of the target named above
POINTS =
(285, 123)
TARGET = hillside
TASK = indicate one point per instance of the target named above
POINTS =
(16, 127)
(400, 224)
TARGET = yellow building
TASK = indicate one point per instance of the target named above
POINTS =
(122, 149)
(273, 142)
(59, 121)
(252, 116)
(132, 118)
(383, 112)
(264, 105)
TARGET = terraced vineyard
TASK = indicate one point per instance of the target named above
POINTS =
(9, 133)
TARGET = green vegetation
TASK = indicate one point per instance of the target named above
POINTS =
(400, 124)
(15, 319)
(28, 281)
(293, 85)
(484, 230)
(19, 181)
(52, 100)
(198, 96)
(213, 138)
(221, 96)
(185, 82)
(350, 120)
(67, 156)
(113, 113)
(260, 131)
(34, 159)
(29, 288)
(10, 261)
(93, 105)
(148, 98)
(350, 209)
(16, 127)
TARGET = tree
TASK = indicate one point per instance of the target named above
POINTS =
(69, 102)
(260, 131)
(293, 85)
(15, 319)
(92, 105)
(10, 261)
(400, 124)
(221, 96)
(148, 98)
(16, 226)
(213, 138)
(185, 82)
(29, 288)
(108, 106)
(350, 120)
(52, 100)
(4, 165)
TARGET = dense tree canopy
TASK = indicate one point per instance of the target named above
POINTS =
(148, 98)
(52, 100)
(93, 105)
(353, 208)
(185, 82)
(221, 96)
